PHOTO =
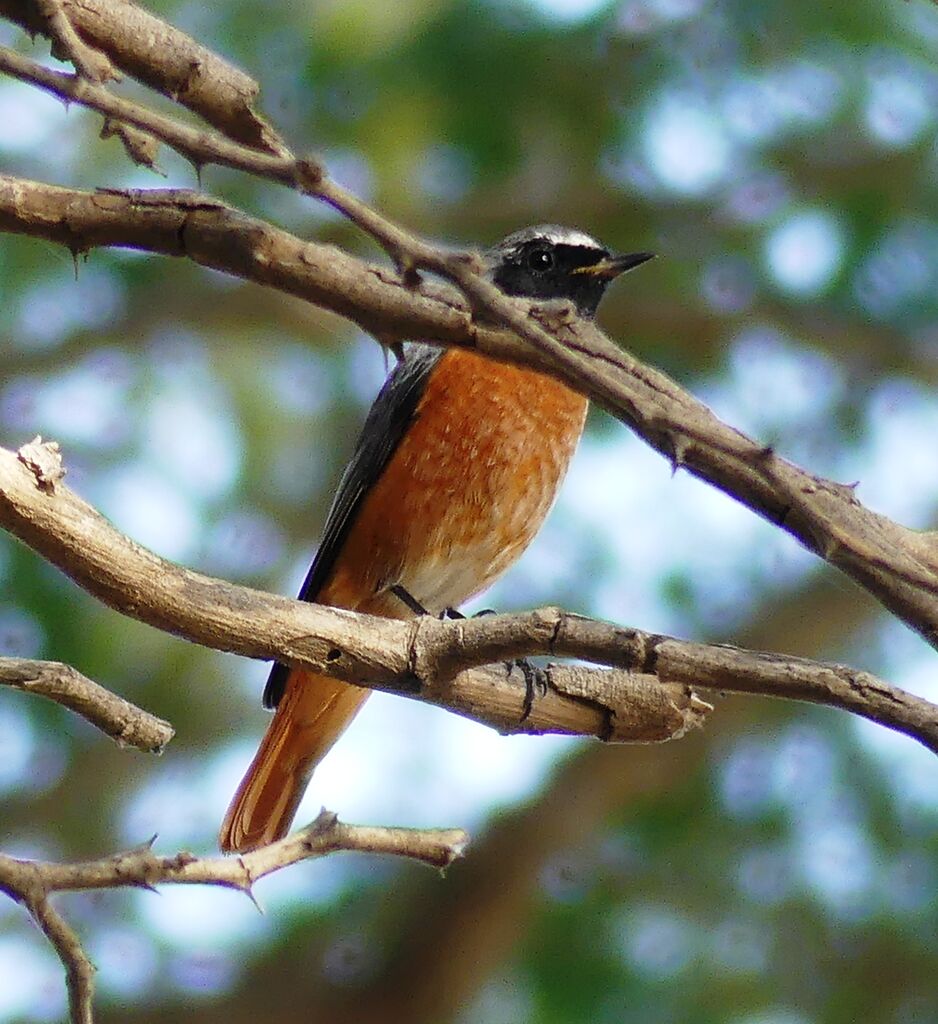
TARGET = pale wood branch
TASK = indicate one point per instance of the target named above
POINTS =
(896, 565)
(32, 883)
(163, 58)
(68, 45)
(400, 657)
(124, 722)
(646, 694)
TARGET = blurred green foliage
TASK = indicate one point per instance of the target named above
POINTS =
(780, 869)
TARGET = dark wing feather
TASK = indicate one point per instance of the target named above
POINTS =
(387, 422)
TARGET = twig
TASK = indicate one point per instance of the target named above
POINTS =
(403, 658)
(193, 143)
(896, 565)
(645, 696)
(68, 45)
(31, 883)
(163, 58)
(124, 722)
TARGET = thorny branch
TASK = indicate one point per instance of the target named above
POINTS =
(31, 883)
(447, 663)
(897, 565)
(161, 57)
(645, 694)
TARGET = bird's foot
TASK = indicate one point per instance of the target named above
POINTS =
(535, 684)
(407, 598)
(455, 613)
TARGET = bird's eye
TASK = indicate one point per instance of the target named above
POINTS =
(540, 259)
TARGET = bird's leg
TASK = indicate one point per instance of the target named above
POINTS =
(535, 680)
(535, 684)
(406, 597)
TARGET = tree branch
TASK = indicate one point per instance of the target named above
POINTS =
(408, 658)
(68, 45)
(124, 722)
(31, 883)
(163, 58)
(896, 565)
(645, 696)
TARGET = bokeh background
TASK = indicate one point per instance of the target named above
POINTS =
(780, 867)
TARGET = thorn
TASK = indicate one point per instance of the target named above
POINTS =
(410, 276)
(678, 451)
(309, 173)
(390, 343)
(249, 892)
(407, 599)
(325, 820)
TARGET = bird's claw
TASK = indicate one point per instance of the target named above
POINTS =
(535, 684)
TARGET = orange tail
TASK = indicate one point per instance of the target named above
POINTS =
(310, 717)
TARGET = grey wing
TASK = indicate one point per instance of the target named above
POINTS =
(386, 424)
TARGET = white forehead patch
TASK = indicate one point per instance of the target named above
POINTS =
(559, 235)
(553, 234)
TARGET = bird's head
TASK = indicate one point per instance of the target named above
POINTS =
(553, 262)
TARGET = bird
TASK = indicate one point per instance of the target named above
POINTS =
(458, 463)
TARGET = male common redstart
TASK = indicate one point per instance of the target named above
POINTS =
(458, 464)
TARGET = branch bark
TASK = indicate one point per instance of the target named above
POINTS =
(646, 694)
(163, 58)
(898, 566)
(124, 722)
(31, 883)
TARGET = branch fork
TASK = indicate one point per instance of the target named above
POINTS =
(32, 883)
(645, 692)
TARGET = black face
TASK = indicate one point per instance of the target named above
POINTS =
(549, 262)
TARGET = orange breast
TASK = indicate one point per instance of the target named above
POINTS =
(466, 490)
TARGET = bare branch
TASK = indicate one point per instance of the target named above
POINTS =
(79, 970)
(124, 722)
(68, 45)
(645, 696)
(164, 59)
(896, 565)
(400, 657)
(193, 143)
(31, 883)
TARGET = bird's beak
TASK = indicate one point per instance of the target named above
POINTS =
(612, 266)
